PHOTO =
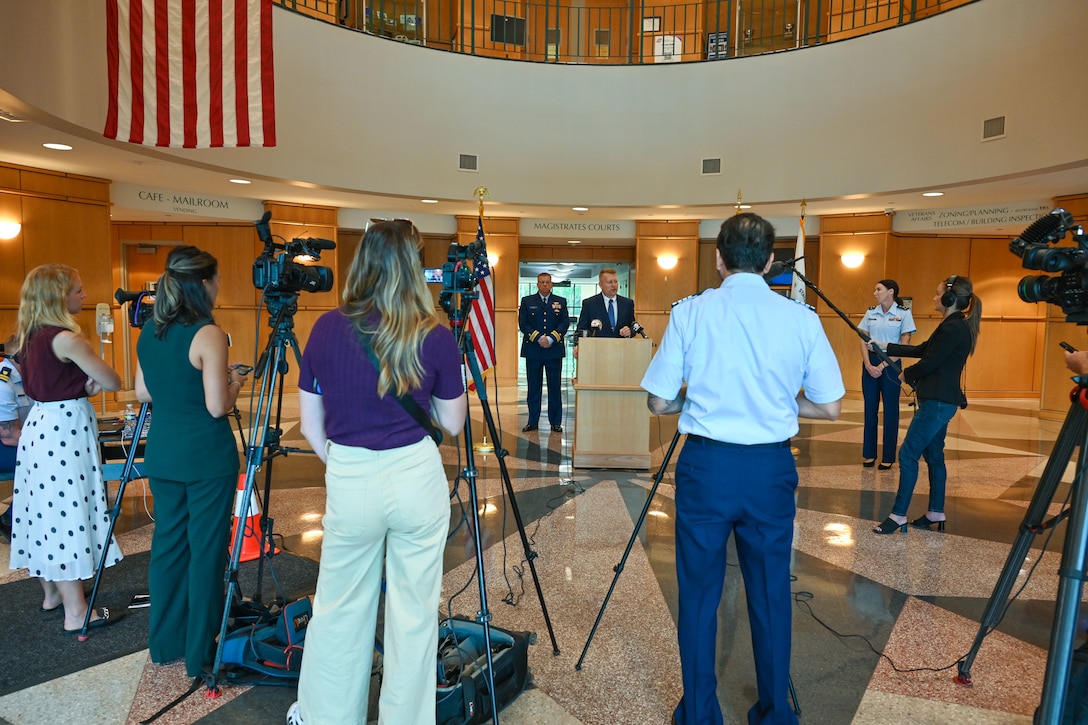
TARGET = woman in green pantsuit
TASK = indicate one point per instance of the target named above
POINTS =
(191, 458)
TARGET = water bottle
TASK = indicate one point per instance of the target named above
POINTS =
(130, 421)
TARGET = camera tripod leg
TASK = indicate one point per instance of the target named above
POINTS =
(1071, 435)
(630, 545)
(483, 617)
(126, 476)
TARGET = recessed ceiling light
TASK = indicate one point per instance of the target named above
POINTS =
(57, 146)
(580, 208)
(933, 193)
(574, 241)
(429, 201)
(240, 181)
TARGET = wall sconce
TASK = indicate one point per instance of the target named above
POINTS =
(853, 260)
(667, 261)
(9, 230)
(492, 259)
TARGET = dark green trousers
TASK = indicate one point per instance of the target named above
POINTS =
(188, 557)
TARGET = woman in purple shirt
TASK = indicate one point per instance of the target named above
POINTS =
(387, 496)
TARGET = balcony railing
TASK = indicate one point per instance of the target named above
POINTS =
(619, 32)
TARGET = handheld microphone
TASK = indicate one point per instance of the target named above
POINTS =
(594, 328)
(638, 328)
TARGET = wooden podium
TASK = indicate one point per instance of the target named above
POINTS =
(611, 420)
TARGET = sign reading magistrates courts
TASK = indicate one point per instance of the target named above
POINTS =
(968, 218)
(577, 229)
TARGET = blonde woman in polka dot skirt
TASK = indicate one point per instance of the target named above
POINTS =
(59, 512)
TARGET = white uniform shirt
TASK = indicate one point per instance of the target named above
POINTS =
(745, 352)
(887, 326)
(13, 401)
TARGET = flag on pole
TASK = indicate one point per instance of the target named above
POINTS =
(481, 315)
(190, 73)
(797, 289)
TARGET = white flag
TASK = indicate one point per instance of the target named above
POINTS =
(797, 290)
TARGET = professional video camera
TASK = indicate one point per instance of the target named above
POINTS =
(457, 278)
(140, 310)
(1069, 290)
(281, 273)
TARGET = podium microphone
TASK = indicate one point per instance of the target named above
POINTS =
(637, 327)
(594, 328)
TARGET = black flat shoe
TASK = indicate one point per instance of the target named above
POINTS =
(924, 522)
(529, 428)
(105, 619)
(885, 466)
(869, 462)
(889, 526)
(557, 429)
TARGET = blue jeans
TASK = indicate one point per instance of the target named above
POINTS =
(875, 391)
(925, 438)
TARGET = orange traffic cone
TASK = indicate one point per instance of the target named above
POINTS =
(251, 543)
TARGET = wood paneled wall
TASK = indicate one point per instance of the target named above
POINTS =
(656, 288)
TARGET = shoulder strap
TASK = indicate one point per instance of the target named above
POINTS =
(406, 401)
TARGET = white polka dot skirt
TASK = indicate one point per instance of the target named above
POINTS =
(60, 516)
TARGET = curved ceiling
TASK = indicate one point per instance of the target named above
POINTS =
(369, 124)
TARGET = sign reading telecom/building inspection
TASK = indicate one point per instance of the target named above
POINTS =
(186, 203)
(967, 218)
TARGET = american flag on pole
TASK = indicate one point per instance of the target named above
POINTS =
(190, 73)
(481, 316)
(797, 289)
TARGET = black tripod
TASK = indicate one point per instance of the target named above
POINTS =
(630, 545)
(263, 449)
(1071, 573)
(115, 511)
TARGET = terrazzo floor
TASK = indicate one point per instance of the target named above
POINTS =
(914, 598)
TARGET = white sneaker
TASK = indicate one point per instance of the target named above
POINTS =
(294, 715)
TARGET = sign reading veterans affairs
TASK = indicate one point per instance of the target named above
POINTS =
(966, 218)
(188, 203)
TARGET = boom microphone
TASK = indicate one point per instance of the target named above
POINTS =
(317, 243)
(780, 267)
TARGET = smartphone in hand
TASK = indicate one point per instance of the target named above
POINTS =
(1067, 347)
(243, 369)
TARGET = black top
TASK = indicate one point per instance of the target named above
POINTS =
(937, 375)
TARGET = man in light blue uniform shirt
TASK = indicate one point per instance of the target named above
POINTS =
(745, 353)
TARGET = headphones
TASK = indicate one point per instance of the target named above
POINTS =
(950, 298)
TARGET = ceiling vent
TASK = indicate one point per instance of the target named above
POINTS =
(468, 162)
(993, 128)
(712, 167)
(10, 117)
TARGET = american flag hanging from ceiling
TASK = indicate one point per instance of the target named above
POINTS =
(190, 73)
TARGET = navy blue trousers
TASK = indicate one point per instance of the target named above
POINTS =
(875, 391)
(748, 492)
(534, 374)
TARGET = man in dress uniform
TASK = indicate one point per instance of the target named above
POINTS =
(543, 321)
(745, 353)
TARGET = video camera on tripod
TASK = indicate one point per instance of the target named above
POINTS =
(281, 272)
(457, 278)
(1070, 290)
(140, 310)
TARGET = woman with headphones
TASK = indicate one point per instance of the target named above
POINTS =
(936, 381)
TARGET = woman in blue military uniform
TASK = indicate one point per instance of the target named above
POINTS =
(889, 322)
(543, 321)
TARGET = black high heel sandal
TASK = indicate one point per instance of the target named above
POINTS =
(924, 522)
(869, 462)
(885, 466)
(889, 526)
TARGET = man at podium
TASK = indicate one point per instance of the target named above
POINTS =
(543, 321)
(753, 361)
(607, 314)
